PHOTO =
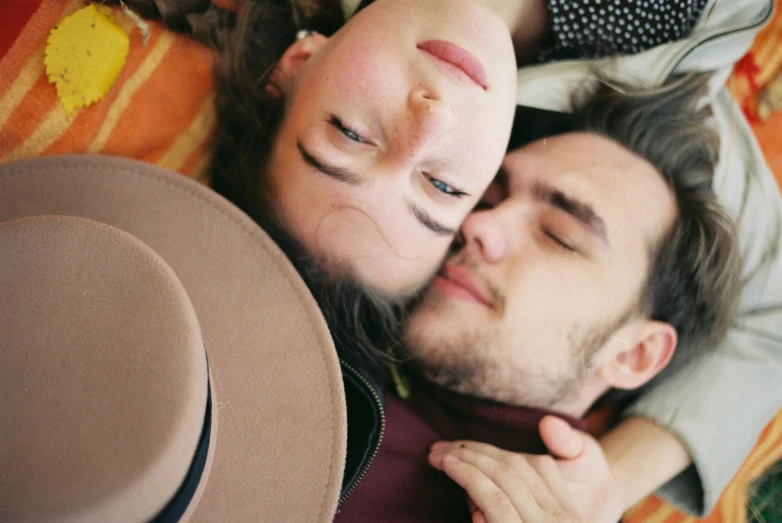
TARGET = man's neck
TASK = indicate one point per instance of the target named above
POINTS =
(468, 417)
(579, 404)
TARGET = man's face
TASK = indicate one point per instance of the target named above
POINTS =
(548, 276)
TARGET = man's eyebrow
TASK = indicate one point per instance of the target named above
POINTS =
(338, 173)
(426, 219)
(583, 212)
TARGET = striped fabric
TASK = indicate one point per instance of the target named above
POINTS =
(762, 65)
(161, 110)
(732, 506)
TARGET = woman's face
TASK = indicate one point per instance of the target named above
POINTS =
(394, 127)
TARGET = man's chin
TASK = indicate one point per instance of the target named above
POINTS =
(430, 325)
(424, 338)
(440, 366)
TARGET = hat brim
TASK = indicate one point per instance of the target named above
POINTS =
(279, 417)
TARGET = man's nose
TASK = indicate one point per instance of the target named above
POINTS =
(483, 232)
(431, 119)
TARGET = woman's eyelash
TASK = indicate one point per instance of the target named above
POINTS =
(445, 188)
(349, 133)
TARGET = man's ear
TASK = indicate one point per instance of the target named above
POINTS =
(286, 71)
(635, 365)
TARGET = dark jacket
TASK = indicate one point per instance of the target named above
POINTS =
(366, 420)
(401, 486)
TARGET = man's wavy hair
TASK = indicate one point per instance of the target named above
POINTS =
(694, 278)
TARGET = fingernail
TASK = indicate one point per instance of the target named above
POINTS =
(439, 446)
(451, 459)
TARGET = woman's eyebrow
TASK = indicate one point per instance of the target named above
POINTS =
(426, 219)
(338, 173)
(346, 176)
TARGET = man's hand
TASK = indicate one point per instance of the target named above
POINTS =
(506, 487)
(595, 490)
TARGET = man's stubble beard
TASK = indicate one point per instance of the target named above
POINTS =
(466, 361)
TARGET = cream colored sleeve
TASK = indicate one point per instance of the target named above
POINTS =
(719, 405)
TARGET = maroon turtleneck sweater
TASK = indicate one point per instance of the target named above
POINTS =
(401, 486)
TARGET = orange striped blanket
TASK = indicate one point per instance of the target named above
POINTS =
(160, 110)
(751, 77)
(759, 72)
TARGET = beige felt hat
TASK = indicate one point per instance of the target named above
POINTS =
(160, 358)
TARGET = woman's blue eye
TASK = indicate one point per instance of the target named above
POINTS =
(352, 135)
(347, 131)
(445, 188)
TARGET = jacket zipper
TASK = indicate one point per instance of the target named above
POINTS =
(382, 430)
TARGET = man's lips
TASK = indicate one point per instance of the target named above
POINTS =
(458, 57)
(456, 282)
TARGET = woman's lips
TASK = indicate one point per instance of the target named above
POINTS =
(457, 57)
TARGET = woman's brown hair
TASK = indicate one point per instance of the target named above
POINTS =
(251, 41)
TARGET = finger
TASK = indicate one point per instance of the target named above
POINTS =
(475, 512)
(589, 463)
(561, 440)
(513, 474)
(471, 505)
(552, 476)
(439, 450)
(542, 486)
(493, 505)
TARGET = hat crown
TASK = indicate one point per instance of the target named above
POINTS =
(104, 383)
(275, 440)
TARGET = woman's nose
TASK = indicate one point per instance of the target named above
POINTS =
(432, 119)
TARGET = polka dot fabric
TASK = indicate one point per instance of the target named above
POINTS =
(597, 28)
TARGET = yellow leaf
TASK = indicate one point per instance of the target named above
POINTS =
(84, 55)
